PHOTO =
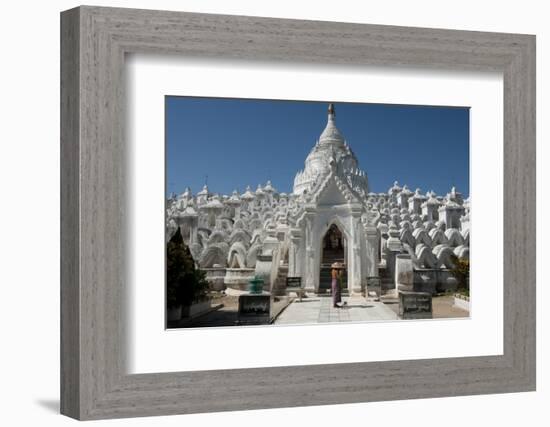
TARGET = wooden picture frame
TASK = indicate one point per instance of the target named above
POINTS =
(94, 41)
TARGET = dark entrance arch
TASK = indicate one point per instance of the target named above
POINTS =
(333, 249)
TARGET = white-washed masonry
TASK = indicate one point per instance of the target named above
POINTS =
(406, 238)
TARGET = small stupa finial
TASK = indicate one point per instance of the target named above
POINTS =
(331, 110)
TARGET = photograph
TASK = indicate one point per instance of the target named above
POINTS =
(291, 212)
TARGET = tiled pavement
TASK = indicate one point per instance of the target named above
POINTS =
(319, 309)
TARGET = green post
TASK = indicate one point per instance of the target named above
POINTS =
(256, 285)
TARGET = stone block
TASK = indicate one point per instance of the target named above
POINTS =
(255, 308)
(425, 280)
(415, 305)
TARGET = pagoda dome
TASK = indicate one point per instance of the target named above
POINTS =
(269, 188)
(260, 191)
(330, 148)
(204, 191)
(331, 134)
(248, 195)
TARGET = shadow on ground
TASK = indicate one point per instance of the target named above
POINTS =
(51, 405)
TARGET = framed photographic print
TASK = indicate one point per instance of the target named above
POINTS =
(349, 208)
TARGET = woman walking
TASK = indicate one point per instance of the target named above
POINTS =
(336, 275)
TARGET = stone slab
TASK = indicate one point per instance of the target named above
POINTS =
(415, 305)
(255, 308)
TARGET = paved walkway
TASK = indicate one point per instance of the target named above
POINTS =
(319, 309)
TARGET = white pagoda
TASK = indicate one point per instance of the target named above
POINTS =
(404, 237)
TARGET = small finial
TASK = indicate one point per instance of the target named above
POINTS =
(331, 111)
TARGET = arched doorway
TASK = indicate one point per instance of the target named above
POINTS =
(333, 249)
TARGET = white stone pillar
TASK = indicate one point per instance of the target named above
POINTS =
(372, 252)
(309, 279)
(393, 249)
(293, 264)
(404, 275)
(354, 255)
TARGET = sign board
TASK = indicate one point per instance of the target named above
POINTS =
(255, 308)
(415, 305)
(294, 282)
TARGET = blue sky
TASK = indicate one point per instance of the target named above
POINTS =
(236, 142)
